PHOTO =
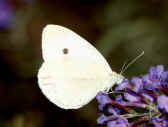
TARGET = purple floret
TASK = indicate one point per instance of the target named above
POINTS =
(131, 97)
(158, 122)
(103, 99)
(163, 103)
(138, 85)
(102, 119)
(118, 122)
(125, 84)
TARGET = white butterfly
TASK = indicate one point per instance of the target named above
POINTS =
(73, 71)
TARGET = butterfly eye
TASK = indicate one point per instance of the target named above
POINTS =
(65, 51)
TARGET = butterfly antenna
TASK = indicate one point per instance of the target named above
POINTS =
(125, 67)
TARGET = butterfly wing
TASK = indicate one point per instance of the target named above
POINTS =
(73, 71)
(57, 38)
(74, 83)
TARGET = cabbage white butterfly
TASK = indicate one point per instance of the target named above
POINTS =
(73, 71)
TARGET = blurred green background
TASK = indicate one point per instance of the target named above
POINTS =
(119, 29)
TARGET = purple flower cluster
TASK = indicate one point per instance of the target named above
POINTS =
(141, 102)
